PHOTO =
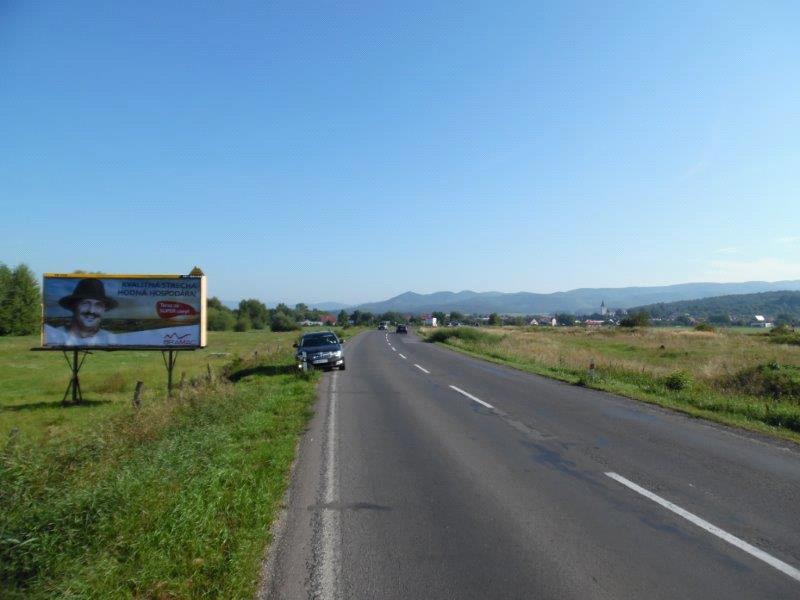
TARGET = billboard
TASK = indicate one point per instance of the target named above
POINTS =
(123, 311)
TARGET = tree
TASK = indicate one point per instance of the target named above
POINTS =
(283, 308)
(20, 301)
(439, 316)
(215, 302)
(302, 312)
(456, 316)
(343, 320)
(638, 319)
(362, 318)
(280, 321)
(5, 290)
(565, 319)
(494, 319)
(256, 311)
(719, 319)
(392, 317)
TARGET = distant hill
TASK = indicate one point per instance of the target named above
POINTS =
(770, 304)
(579, 301)
(328, 306)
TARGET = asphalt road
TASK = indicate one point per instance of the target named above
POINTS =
(429, 474)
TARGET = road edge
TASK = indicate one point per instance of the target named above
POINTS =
(308, 463)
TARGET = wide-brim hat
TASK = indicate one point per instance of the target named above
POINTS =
(88, 289)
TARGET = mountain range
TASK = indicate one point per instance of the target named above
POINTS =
(578, 301)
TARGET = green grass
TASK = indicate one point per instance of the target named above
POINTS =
(740, 378)
(170, 500)
(33, 383)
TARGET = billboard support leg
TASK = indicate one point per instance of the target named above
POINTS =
(169, 356)
(74, 386)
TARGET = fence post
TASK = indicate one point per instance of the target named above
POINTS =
(182, 386)
(137, 394)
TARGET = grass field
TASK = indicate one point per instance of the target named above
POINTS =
(33, 383)
(170, 500)
(739, 377)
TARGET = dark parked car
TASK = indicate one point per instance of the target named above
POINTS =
(321, 349)
(401, 329)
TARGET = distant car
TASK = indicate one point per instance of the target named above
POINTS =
(382, 327)
(321, 350)
(401, 329)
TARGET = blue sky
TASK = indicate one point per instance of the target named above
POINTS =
(352, 151)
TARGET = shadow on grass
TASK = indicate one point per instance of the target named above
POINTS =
(262, 370)
(53, 404)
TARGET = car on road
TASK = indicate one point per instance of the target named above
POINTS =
(401, 329)
(382, 327)
(320, 350)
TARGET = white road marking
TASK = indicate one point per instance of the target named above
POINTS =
(712, 529)
(471, 397)
(423, 369)
(330, 518)
(394, 349)
(402, 356)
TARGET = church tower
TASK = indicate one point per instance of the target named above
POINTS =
(603, 309)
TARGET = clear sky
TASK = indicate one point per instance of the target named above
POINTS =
(353, 151)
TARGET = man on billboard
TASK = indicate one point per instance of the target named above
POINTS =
(88, 303)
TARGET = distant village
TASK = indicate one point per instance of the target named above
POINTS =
(604, 317)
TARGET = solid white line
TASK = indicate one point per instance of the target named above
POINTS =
(423, 369)
(394, 349)
(330, 518)
(712, 529)
(471, 397)
(402, 356)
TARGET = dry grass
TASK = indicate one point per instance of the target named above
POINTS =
(706, 356)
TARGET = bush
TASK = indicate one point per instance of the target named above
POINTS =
(705, 327)
(467, 334)
(772, 380)
(243, 323)
(784, 335)
(282, 322)
(677, 381)
(220, 319)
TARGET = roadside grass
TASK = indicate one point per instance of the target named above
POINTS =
(739, 378)
(33, 383)
(170, 500)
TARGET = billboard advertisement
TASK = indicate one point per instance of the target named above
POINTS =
(123, 311)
